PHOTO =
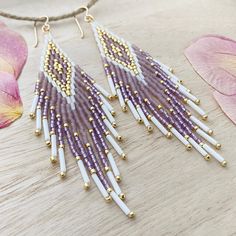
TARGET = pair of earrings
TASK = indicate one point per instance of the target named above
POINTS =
(69, 106)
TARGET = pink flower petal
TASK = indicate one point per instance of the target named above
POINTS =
(214, 58)
(10, 102)
(13, 50)
(227, 104)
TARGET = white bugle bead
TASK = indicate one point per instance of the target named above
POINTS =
(38, 119)
(213, 153)
(34, 104)
(108, 114)
(53, 145)
(187, 94)
(62, 160)
(111, 128)
(179, 136)
(115, 145)
(120, 203)
(100, 186)
(113, 164)
(133, 110)
(200, 124)
(112, 86)
(46, 130)
(83, 172)
(159, 125)
(207, 137)
(120, 97)
(143, 117)
(101, 90)
(107, 104)
(113, 182)
(198, 147)
(196, 108)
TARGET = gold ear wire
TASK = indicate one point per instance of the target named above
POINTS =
(36, 42)
(80, 28)
(87, 18)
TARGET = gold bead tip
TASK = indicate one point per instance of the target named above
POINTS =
(124, 108)
(113, 113)
(32, 115)
(140, 121)
(171, 70)
(63, 174)
(207, 157)
(48, 143)
(188, 147)
(53, 159)
(169, 135)
(210, 132)
(123, 156)
(122, 196)
(119, 138)
(205, 117)
(108, 199)
(111, 97)
(131, 214)
(224, 163)
(218, 146)
(37, 132)
(149, 128)
(114, 125)
(118, 178)
(86, 186)
(197, 101)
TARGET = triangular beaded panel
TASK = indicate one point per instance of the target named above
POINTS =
(117, 50)
(58, 69)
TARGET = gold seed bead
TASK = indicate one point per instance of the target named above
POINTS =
(90, 119)
(108, 199)
(66, 125)
(106, 133)
(114, 124)
(210, 132)
(32, 115)
(224, 163)
(61, 146)
(218, 146)
(53, 159)
(76, 134)
(188, 147)
(149, 128)
(122, 196)
(86, 186)
(92, 171)
(131, 215)
(169, 135)
(106, 151)
(119, 138)
(118, 179)
(87, 145)
(207, 157)
(205, 117)
(90, 131)
(37, 132)
(107, 168)
(123, 156)
(48, 143)
(63, 174)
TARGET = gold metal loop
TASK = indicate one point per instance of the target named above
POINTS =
(80, 28)
(87, 18)
(46, 26)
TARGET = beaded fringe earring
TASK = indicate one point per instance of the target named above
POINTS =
(154, 95)
(69, 106)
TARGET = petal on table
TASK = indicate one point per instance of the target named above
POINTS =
(10, 101)
(214, 58)
(13, 50)
(227, 104)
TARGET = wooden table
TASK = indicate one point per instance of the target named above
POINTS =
(172, 191)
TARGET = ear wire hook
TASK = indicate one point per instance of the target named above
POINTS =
(46, 26)
(36, 42)
(87, 18)
(80, 28)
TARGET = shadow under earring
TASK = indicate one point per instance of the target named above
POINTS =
(154, 95)
(69, 106)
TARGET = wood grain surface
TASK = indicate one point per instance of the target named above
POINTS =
(172, 191)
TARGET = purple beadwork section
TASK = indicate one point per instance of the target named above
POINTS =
(81, 128)
(159, 89)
